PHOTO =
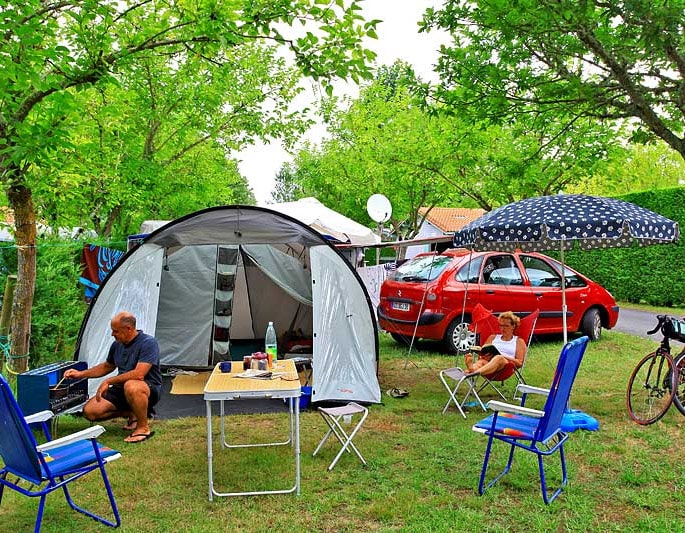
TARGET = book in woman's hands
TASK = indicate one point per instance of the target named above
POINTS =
(487, 350)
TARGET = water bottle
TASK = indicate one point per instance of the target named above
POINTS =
(270, 343)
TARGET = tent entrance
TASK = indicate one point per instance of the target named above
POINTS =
(216, 301)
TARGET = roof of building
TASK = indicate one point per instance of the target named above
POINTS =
(450, 219)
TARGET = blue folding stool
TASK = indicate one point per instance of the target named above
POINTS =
(43, 468)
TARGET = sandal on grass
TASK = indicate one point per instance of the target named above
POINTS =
(135, 438)
(397, 393)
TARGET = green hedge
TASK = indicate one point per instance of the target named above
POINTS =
(653, 275)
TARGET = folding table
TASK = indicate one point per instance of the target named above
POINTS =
(227, 386)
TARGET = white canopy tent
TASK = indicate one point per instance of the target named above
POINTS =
(328, 222)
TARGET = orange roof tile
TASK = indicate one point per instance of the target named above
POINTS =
(450, 219)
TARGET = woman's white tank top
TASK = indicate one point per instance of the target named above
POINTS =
(506, 347)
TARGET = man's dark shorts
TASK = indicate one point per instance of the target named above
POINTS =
(115, 395)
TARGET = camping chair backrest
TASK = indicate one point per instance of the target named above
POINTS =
(17, 445)
(485, 323)
(560, 390)
(527, 326)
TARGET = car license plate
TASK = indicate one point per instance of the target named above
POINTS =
(400, 306)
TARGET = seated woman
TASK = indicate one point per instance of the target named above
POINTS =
(512, 349)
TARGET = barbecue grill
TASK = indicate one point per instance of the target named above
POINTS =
(37, 391)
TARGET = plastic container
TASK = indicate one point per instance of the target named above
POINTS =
(259, 361)
(305, 398)
(271, 342)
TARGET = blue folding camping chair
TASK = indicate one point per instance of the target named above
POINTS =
(40, 469)
(533, 430)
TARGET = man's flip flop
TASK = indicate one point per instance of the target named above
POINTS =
(139, 436)
(131, 425)
(397, 393)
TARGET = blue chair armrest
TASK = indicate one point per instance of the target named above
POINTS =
(41, 416)
(529, 389)
(92, 432)
(501, 407)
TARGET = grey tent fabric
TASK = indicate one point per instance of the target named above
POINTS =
(284, 270)
(204, 281)
(186, 295)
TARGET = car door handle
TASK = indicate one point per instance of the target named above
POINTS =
(538, 294)
(489, 291)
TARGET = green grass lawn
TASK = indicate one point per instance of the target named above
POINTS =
(423, 466)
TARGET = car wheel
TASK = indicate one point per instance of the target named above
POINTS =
(458, 337)
(591, 325)
(401, 339)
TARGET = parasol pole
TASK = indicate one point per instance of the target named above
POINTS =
(563, 289)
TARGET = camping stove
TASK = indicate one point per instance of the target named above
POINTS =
(34, 392)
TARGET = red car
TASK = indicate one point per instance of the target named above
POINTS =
(434, 289)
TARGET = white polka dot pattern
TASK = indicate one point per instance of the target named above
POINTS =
(550, 222)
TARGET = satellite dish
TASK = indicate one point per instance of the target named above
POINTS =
(378, 207)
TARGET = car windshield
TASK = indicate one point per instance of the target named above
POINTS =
(425, 268)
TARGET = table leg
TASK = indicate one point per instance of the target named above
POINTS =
(296, 401)
(294, 441)
(221, 422)
(210, 455)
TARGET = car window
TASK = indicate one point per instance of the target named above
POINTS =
(572, 278)
(539, 272)
(501, 270)
(470, 272)
(425, 268)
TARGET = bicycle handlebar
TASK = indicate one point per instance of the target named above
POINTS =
(661, 319)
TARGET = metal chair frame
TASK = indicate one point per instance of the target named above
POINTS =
(536, 431)
(332, 417)
(52, 465)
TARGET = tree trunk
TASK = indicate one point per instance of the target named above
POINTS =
(21, 201)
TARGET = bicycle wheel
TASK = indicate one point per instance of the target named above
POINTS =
(651, 388)
(679, 398)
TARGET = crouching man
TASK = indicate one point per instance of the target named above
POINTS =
(136, 388)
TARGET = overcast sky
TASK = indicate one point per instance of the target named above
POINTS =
(398, 38)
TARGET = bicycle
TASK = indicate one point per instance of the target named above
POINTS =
(658, 380)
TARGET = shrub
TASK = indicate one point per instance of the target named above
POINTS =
(652, 274)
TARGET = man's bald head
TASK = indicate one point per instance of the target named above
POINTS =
(124, 327)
